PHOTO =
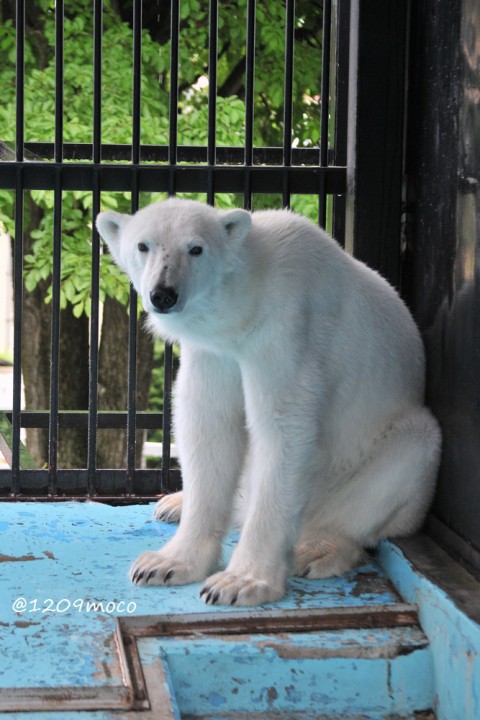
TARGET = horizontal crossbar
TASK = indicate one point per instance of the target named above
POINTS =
(231, 155)
(195, 179)
(147, 481)
(79, 419)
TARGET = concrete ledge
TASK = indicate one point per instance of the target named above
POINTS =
(448, 601)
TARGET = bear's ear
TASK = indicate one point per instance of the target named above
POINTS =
(109, 225)
(237, 224)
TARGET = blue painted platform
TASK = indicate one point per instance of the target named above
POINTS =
(73, 628)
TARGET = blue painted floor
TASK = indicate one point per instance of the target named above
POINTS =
(64, 579)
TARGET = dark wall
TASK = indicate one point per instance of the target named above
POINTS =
(441, 272)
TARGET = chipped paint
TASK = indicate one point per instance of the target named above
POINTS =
(21, 558)
(262, 674)
(73, 656)
(454, 637)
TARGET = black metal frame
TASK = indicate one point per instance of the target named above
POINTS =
(211, 169)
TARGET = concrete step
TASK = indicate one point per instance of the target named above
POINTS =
(359, 673)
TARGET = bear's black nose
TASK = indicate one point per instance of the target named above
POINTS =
(163, 298)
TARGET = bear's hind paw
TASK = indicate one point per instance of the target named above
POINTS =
(169, 508)
(327, 556)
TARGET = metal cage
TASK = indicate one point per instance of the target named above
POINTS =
(61, 166)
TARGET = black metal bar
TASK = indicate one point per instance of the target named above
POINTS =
(20, 81)
(55, 336)
(18, 245)
(342, 53)
(288, 97)
(212, 98)
(137, 80)
(107, 419)
(249, 99)
(95, 276)
(132, 367)
(92, 416)
(59, 22)
(17, 333)
(132, 381)
(118, 178)
(325, 90)
(173, 97)
(172, 158)
(325, 106)
(97, 79)
(109, 481)
(108, 499)
(226, 155)
(56, 256)
(133, 301)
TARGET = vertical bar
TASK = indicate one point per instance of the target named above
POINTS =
(172, 160)
(212, 96)
(94, 322)
(249, 99)
(342, 49)
(18, 247)
(173, 99)
(59, 22)
(288, 98)
(97, 79)
(57, 256)
(133, 303)
(137, 80)
(324, 115)
(20, 81)
(17, 332)
(132, 374)
(55, 336)
(94, 343)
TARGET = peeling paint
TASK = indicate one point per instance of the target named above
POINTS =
(305, 661)
(21, 558)
(25, 623)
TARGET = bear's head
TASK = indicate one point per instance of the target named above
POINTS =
(175, 252)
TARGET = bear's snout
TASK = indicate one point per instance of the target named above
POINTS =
(163, 299)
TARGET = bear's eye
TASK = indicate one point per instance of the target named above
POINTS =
(142, 247)
(196, 250)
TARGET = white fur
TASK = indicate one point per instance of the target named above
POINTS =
(301, 380)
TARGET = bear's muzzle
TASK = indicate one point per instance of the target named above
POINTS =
(163, 299)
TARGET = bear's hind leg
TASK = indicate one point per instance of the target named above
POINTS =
(387, 497)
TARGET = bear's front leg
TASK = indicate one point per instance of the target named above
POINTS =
(209, 430)
(283, 419)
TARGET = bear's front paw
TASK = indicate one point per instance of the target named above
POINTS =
(169, 508)
(226, 588)
(155, 567)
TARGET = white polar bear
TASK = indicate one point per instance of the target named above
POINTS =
(301, 380)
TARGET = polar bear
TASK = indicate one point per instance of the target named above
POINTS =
(301, 382)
